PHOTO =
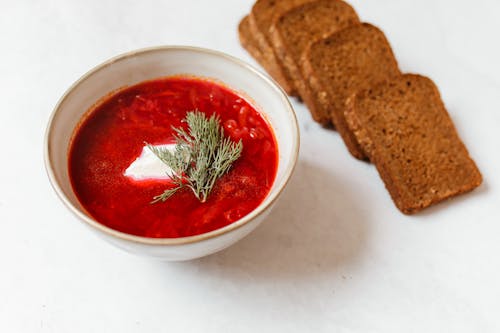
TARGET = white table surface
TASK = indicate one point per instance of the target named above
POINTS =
(334, 256)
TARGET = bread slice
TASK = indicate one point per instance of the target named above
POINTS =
(337, 66)
(261, 18)
(248, 42)
(405, 129)
(296, 28)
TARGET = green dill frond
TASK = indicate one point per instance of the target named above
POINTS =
(202, 155)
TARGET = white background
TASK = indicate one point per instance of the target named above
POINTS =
(334, 256)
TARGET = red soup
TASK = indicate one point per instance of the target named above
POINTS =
(113, 134)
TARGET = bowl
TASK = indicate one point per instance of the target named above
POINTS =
(146, 64)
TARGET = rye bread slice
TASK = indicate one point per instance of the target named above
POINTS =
(347, 61)
(248, 41)
(261, 18)
(296, 28)
(405, 129)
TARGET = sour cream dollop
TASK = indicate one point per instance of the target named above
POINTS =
(148, 166)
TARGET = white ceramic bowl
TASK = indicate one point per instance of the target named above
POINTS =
(137, 66)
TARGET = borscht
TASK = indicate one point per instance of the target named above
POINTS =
(172, 157)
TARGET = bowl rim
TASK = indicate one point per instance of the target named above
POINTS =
(262, 208)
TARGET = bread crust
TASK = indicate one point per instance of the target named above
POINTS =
(261, 17)
(248, 42)
(405, 129)
(337, 66)
(293, 30)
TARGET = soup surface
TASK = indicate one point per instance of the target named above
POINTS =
(113, 134)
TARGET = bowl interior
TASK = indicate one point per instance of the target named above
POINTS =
(148, 64)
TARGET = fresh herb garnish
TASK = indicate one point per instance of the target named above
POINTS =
(202, 155)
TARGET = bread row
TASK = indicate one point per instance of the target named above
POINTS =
(347, 75)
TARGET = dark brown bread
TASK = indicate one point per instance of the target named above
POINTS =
(347, 61)
(296, 28)
(248, 42)
(405, 129)
(261, 18)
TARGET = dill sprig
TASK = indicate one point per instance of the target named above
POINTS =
(202, 155)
